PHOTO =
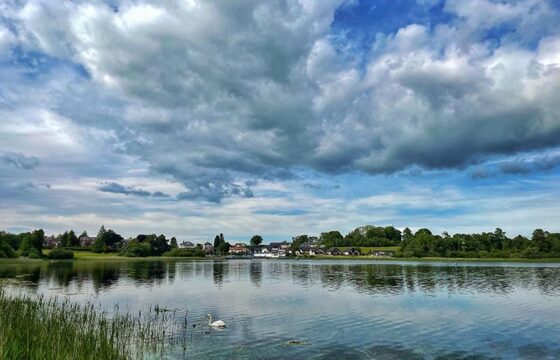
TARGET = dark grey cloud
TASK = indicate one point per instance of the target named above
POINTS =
(215, 193)
(525, 166)
(221, 93)
(116, 188)
(533, 163)
(19, 160)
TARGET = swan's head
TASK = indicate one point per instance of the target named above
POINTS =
(208, 315)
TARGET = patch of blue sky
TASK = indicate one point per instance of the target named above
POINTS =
(36, 64)
(360, 22)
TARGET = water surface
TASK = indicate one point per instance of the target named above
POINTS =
(332, 308)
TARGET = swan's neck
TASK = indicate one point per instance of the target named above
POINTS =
(209, 319)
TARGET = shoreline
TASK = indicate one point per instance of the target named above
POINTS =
(111, 257)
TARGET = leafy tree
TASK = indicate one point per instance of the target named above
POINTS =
(331, 238)
(299, 240)
(32, 244)
(98, 245)
(223, 247)
(173, 243)
(83, 234)
(407, 234)
(136, 248)
(6, 250)
(111, 238)
(256, 240)
(217, 241)
(539, 239)
(423, 231)
(73, 239)
(101, 231)
(37, 239)
(159, 244)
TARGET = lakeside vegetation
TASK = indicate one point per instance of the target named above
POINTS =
(39, 328)
(363, 240)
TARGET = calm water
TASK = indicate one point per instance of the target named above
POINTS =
(338, 309)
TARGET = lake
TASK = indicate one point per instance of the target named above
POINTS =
(325, 309)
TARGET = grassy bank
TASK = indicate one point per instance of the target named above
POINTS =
(37, 328)
(435, 259)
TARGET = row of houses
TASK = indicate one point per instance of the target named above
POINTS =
(272, 250)
(282, 249)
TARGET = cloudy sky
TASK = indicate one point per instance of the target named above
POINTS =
(190, 118)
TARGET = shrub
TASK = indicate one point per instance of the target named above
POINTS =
(99, 246)
(184, 253)
(34, 254)
(60, 254)
(6, 250)
(137, 249)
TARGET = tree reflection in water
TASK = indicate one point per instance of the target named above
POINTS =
(372, 277)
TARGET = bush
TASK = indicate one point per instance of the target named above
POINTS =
(184, 253)
(137, 249)
(99, 246)
(77, 248)
(60, 254)
(34, 254)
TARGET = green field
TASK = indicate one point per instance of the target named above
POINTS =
(432, 259)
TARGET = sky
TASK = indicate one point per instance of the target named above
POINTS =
(191, 118)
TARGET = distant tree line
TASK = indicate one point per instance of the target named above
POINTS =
(423, 243)
(30, 244)
(364, 236)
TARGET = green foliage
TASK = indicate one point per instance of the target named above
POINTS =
(36, 328)
(484, 245)
(57, 254)
(256, 240)
(220, 244)
(6, 250)
(364, 236)
(69, 239)
(158, 244)
(136, 248)
(98, 245)
(173, 243)
(331, 238)
(223, 248)
(12, 239)
(32, 244)
(196, 252)
(34, 254)
(106, 240)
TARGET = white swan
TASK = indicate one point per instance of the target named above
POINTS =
(217, 323)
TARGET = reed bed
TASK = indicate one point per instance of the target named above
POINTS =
(50, 328)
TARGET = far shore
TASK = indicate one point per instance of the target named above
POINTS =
(89, 256)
